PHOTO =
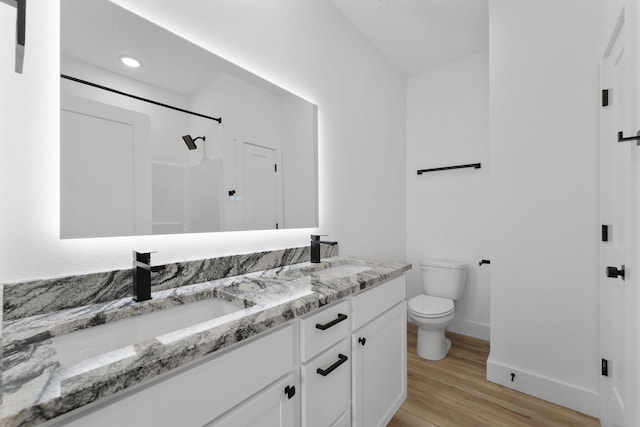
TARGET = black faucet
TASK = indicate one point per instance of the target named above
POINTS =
(315, 247)
(142, 275)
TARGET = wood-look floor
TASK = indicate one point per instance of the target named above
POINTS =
(454, 392)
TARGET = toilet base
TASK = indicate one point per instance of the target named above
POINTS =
(432, 345)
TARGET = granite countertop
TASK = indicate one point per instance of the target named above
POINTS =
(37, 386)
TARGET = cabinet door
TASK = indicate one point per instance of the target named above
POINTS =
(270, 408)
(379, 351)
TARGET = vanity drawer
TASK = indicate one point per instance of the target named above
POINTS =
(323, 329)
(370, 303)
(327, 395)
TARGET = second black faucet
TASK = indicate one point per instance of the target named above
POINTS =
(315, 247)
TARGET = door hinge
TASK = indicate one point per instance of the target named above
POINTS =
(605, 368)
(605, 233)
(605, 97)
(275, 167)
(277, 226)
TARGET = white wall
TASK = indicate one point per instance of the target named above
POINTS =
(544, 57)
(300, 204)
(307, 47)
(209, 100)
(448, 211)
(251, 114)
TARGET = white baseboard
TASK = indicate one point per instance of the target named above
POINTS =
(470, 328)
(568, 395)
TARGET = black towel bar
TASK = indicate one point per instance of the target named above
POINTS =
(470, 165)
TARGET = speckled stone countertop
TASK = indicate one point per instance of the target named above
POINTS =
(38, 387)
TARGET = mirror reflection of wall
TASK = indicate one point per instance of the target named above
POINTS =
(125, 167)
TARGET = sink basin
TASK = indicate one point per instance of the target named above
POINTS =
(342, 270)
(99, 340)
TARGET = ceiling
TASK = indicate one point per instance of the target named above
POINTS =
(414, 36)
(99, 33)
(419, 35)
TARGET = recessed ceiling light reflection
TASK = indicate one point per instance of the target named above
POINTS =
(130, 62)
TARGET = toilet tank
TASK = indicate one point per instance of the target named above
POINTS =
(445, 279)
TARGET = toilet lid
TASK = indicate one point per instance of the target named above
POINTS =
(428, 306)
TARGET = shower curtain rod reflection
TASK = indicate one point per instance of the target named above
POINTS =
(108, 89)
(470, 165)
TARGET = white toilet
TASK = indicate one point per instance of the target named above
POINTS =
(443, 282)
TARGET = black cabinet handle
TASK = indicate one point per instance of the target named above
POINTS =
(614, 272)
(341, 359)
(334, 322)
(362, 340)
(290, 391)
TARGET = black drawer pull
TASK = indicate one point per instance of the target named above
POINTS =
(341, 359)
(335, 321)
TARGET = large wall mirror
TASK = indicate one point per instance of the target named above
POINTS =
(186, 142)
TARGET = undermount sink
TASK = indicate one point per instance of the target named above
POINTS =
(342, 270)
(120, 335)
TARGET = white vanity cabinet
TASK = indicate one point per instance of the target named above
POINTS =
(369, 382)
(379, 350)
(342, 365)
(253, 375)
(325, 351)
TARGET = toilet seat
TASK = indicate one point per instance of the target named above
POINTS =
(430, 307)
